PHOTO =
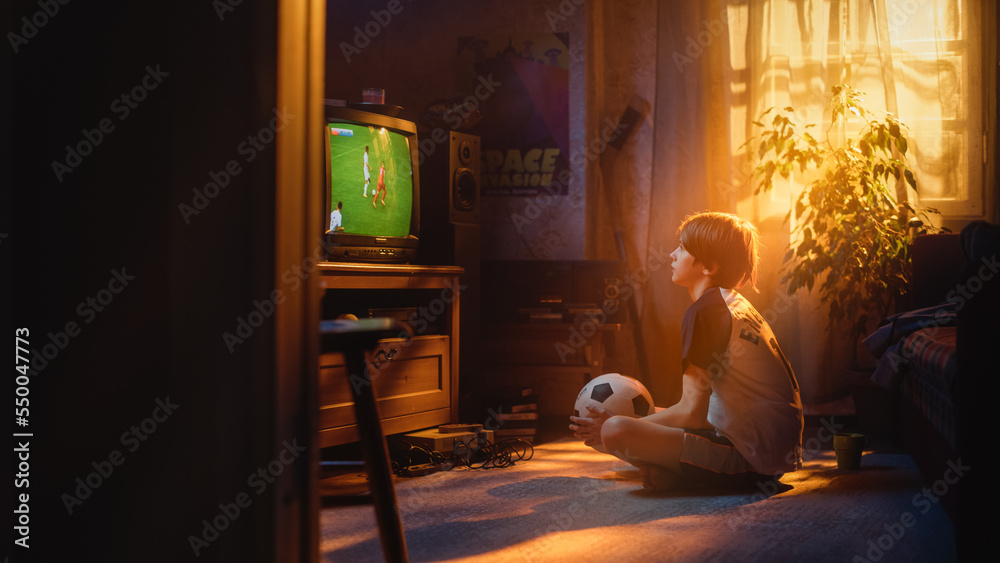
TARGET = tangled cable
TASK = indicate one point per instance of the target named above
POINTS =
(478, 453)
(486, 455)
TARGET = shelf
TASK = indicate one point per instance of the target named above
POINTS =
(555, 359)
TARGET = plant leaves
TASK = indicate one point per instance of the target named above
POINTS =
(848, 243)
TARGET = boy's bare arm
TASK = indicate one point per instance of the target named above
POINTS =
(692, 410)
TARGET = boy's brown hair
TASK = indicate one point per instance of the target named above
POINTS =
(726, 243)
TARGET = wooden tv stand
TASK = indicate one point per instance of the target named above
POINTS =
(415, 379)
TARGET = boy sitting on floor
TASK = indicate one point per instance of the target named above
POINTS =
(739, 419)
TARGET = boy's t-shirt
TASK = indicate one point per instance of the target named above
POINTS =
(755, 397)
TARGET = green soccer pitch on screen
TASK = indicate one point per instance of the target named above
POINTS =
(371, 199)
(371, 178)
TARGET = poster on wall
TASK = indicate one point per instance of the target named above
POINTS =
(519, 85)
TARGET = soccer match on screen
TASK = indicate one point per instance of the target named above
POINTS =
(371, 183)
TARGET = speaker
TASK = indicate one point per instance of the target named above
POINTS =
(450, 201)
(450, 232)
(464, 189)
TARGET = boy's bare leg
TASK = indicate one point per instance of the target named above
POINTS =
(653, 448)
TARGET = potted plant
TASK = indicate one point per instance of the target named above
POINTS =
(851, 236)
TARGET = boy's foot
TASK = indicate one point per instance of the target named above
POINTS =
(656, 478)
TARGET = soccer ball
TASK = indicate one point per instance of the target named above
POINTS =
(617, 393)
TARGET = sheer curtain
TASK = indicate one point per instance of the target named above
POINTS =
(717, 65)
(916, 59)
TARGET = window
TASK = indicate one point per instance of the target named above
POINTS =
(919, 59)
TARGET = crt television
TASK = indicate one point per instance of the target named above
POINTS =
(372, 192)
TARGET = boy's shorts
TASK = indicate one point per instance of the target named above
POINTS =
(711, 460)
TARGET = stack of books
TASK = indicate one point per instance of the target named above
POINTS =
(515, 411)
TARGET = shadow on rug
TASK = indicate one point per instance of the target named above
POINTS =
(569, 502)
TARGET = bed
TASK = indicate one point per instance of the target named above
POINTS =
(933, 357)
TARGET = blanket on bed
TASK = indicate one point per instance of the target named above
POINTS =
(924, 338)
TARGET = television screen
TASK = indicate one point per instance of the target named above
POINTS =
(371, 177)
(371, 200)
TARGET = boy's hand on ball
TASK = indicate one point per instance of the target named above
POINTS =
(588, 429)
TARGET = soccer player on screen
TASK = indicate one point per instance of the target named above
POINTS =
(368, 172)
(336, 219)
(380, 185)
